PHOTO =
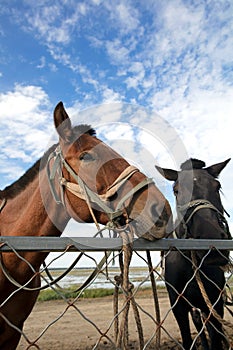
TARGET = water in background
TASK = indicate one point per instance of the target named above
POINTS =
(139, 276)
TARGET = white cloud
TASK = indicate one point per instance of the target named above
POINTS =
(127, 16)
(9, 171)
(22, 100)
(59, 55)
(42, 63)
(109, 95)
(53, 67)
(183, 23)
(175, 57)
(204, 122)
(98, 116)
(117, 131)
(25, 127)
(50, 24)
(117, 52)
(97, 2)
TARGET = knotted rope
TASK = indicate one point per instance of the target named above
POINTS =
(156, 301)
(224, 323)
(121, 328)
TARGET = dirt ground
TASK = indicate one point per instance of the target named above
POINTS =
(69, 330)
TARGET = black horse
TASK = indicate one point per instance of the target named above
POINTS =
(200, 215)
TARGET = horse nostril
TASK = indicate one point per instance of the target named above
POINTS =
(159, 223)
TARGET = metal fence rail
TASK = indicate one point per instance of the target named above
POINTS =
(59, 244)
(127, 301)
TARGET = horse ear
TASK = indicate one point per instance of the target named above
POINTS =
(216, 169)
(62, 122)
(169, 174)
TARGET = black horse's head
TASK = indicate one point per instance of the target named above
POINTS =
(200, 213)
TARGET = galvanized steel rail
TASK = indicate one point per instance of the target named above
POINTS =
(60, 244)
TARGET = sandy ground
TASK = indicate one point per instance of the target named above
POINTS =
(69, 330)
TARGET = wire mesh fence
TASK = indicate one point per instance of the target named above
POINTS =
(136, 314)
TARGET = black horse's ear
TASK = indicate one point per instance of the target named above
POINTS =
(216, 169)
(169, 174)
(62, 122)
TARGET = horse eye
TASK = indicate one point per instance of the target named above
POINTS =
(86, 157)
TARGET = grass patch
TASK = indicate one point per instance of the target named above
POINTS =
(70, 293)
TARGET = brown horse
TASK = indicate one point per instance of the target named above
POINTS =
(80, 178)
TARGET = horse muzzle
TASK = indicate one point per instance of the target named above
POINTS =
(152, 223)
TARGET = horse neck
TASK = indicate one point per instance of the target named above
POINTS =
(27, 214)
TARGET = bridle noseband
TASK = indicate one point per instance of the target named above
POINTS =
(196, 205)
(81, 190)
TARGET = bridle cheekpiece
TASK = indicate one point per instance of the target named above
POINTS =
(196, 205)
(81, 190)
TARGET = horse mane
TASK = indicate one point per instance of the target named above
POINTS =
(192, 163)
(16, 187)
(19, 185)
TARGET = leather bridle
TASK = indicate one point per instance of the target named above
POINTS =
(56, 162)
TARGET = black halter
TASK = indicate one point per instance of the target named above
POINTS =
(196, 205)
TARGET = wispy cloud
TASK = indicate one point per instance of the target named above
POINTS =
(171, 57)
(24, 124)
(49, 22)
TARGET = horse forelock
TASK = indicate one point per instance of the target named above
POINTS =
(192, 163)
(83, 129)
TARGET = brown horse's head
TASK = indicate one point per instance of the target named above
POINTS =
(200, 213)
(98, 184)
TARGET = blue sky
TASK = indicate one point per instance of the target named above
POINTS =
(173, 58)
